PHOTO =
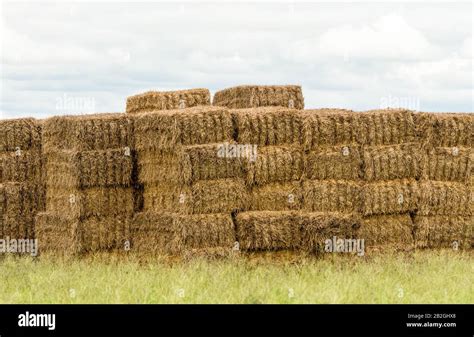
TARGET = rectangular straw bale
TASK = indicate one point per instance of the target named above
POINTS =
(393, 162)
(268, 230)
(188, 164)
(21, 199)
(20, 134)
(331, 196)
(276, 197)
(267, 126)
(325, 127)
(105, 233)
(105, 168)
(168, 198)
(169, 129)
(161, 232)
(444, 231)
(58, 234)
(334, 162)
(388, 232)
(319, 227)
(446, 198)
(273, 230)
(94, 201)
(447, 129)
(167, 100)
(448, 164)
(21, 166)
(88, 132)
(219, 196)
(390, 197)
(253, 96)
(276, 164)
(385, 127)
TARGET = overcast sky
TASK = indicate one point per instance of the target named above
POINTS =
(78, 57)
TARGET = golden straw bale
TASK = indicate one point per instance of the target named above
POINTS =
(444, 231)
(58, 233)
(448, 164)
(389, 197)
(385, 127)
(169, 129)
(393, 162)
(88, 132)
(276, 164)
(318, 228)
(20, 134)
(273, 230)
(21, 166)
(168, 198)
(106, 233)
(168, 100)
(161, 232)
(325, 127)
(187, 164)
(95, 201)
(253, 96)
(334, 162)
(446, 129)
(276, 197)
(446, 198)
(267, 126)
(219, 196)
(268, 230)
(331, 196)
(388, 232)
(106, 168)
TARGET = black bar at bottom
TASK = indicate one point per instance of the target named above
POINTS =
(237, 320)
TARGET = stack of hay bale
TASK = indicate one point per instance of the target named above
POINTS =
(446, 214)
(89, 183)
(21, 177)
(332, 181)
(190, 186)
(392, 158)
(270, 118)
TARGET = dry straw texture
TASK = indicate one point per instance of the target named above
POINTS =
(267, 126)
(88, 132)
(95, 201)
(331, 196)
(105, 168)
(22, 133)
(169, 129)
(158, 232)
(187, 164)
(167, 100)
(390, 197)
(446, 198)
(70, 236)
(445, 231)
(270, 230)
(393, 162)
(328, 127)
(204, 196)
(388, 232)
(385, 127)
(334, 163)
(446, 129)
(276, 164)
(21, 166)
(248, 96)
(448, 164)
(276, 197)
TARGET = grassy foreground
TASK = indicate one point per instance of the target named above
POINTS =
(421, 277)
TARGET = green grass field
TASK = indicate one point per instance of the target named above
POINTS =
(421, 277)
